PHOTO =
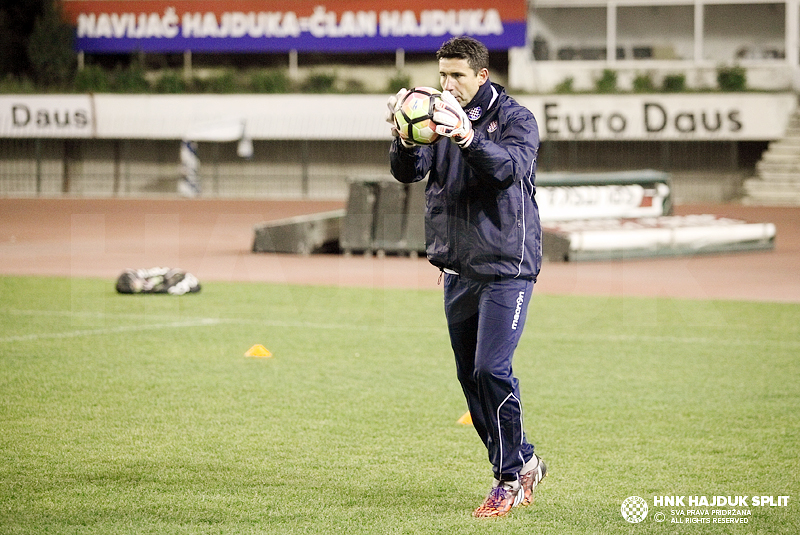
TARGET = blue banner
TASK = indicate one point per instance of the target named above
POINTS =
(106, 27)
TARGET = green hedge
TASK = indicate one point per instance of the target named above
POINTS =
(134, 79)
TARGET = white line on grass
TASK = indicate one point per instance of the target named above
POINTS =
(83, 314)
(203, 322)
(228, 321)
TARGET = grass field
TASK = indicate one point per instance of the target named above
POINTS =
(140, 414)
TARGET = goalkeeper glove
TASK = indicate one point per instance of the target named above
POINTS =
(452, 121)
(393, 104)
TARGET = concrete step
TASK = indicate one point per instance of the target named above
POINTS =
(778, 171)
(785, 168)
(780, 158)
(779, 176)
(761, 192)
(754, 184)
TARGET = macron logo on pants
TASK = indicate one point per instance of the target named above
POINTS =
(518, 311)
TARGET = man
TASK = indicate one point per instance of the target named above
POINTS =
(482, 230)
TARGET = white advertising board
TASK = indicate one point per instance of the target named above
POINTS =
(56, 116)
(661, 236)
(565, 203)
(689, 117)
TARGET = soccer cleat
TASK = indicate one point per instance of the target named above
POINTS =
(500, 500)
(531, 479)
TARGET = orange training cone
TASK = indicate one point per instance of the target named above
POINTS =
(466, 419)
(258, 351)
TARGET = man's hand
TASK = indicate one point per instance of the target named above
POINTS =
(393, 104)
(452, 121)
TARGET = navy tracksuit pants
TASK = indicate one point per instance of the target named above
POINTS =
(485, 320)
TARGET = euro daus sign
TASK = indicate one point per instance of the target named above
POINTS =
(706, 116)
(269, 26)
(53, 116)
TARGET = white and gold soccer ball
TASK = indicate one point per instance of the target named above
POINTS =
(413, 117)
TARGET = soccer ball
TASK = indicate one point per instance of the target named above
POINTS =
(413, 117)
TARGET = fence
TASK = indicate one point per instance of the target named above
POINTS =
(297, 169)
(278, 169)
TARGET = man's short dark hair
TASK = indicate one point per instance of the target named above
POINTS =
(468, 48)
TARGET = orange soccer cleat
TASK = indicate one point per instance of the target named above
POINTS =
(531, 478)
(500, 500)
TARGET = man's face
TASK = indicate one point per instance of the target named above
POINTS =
(457, 77)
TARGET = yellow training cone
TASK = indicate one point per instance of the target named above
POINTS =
(466, 419)
(258, 351)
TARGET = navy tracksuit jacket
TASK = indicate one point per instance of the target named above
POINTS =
(482, 228)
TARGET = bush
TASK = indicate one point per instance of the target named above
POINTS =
(11, 84)
(565, 86)
(398, 82)
(732, 78)
(130, 80)
(353, 86)
(92, 79)
(319, 83)
(270, 82)
(170, 82)
(607, 82)
(643, 83)
(225, 83)
(674, 83)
